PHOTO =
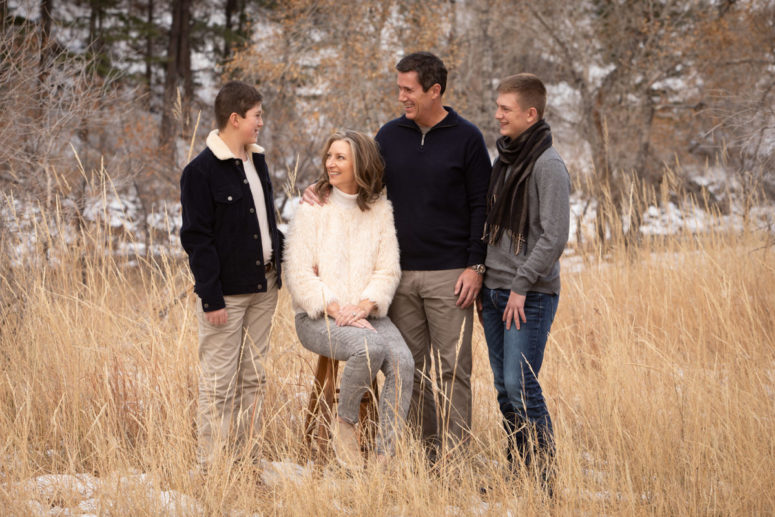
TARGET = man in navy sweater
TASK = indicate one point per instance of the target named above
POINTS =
(437, 171)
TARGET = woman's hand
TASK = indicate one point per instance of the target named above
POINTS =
(368, 307)
(332, 309)
(350, 313)
(363, 323)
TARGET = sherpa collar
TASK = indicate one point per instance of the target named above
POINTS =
(222, 151)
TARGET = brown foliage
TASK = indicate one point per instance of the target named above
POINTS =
(327, 65)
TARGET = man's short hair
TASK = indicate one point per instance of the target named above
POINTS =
(235, 97)
(430, 69)
(529, 88)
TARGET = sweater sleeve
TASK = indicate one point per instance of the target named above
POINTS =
(553, 185)
(387, 270)
(300, 261)
(477, 178)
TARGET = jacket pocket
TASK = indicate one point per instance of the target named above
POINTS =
(227, 195)
(228, 222)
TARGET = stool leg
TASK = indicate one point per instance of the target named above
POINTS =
(321, 401)
(329, 400)
(314, 397)
(313, 407)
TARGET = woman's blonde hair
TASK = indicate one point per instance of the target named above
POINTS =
(368, 166)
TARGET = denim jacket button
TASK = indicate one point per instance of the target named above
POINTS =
(255, 236)
(228, 198)
(245, 180)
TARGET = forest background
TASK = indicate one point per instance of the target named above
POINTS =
(636, 89)
(660, 368)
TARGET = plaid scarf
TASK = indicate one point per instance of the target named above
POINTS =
(507, 196)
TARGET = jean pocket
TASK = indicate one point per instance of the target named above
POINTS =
(501, 298)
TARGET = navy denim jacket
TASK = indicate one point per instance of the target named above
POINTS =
(220, 228)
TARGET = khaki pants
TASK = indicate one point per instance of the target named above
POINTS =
(231, 376)
(437, 332)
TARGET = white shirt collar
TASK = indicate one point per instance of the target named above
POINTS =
(222, 151)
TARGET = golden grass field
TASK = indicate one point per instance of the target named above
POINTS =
(659, 375)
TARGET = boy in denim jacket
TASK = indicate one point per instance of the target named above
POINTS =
(234, 249)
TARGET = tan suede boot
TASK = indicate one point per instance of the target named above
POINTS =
(346, 446)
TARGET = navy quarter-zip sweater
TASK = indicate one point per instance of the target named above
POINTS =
(438, 186)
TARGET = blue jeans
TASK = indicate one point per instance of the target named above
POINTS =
(515, 358)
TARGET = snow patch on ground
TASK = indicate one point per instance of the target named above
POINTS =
(88, 495)
(118, 216)
(85, 494)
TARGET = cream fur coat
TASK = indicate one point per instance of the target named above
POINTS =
(355, 252)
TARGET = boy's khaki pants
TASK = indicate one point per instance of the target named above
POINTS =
(231, 370)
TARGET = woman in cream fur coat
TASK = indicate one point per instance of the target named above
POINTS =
(342, 268)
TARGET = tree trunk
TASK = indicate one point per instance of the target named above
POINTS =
(95, 28)
(167, 134)
(243, 17)
(643, 166)
(178, 60)
(228, 34)
(3, 14)
(149, 52)
(595, 133)
(46, 8)
(185, 71)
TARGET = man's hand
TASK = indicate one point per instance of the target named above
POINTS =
(311, 198)
(216, 318)
(515, 310)
(467, 287)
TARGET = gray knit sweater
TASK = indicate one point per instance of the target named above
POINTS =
(537, 267)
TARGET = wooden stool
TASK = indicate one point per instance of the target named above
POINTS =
(321, 405)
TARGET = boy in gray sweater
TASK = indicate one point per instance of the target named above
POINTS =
(527, 228)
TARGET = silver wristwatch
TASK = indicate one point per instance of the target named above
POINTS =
(479, 268)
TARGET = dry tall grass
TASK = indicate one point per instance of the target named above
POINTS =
(659, 372)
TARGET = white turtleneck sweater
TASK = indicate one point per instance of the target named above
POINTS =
(355, 252)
